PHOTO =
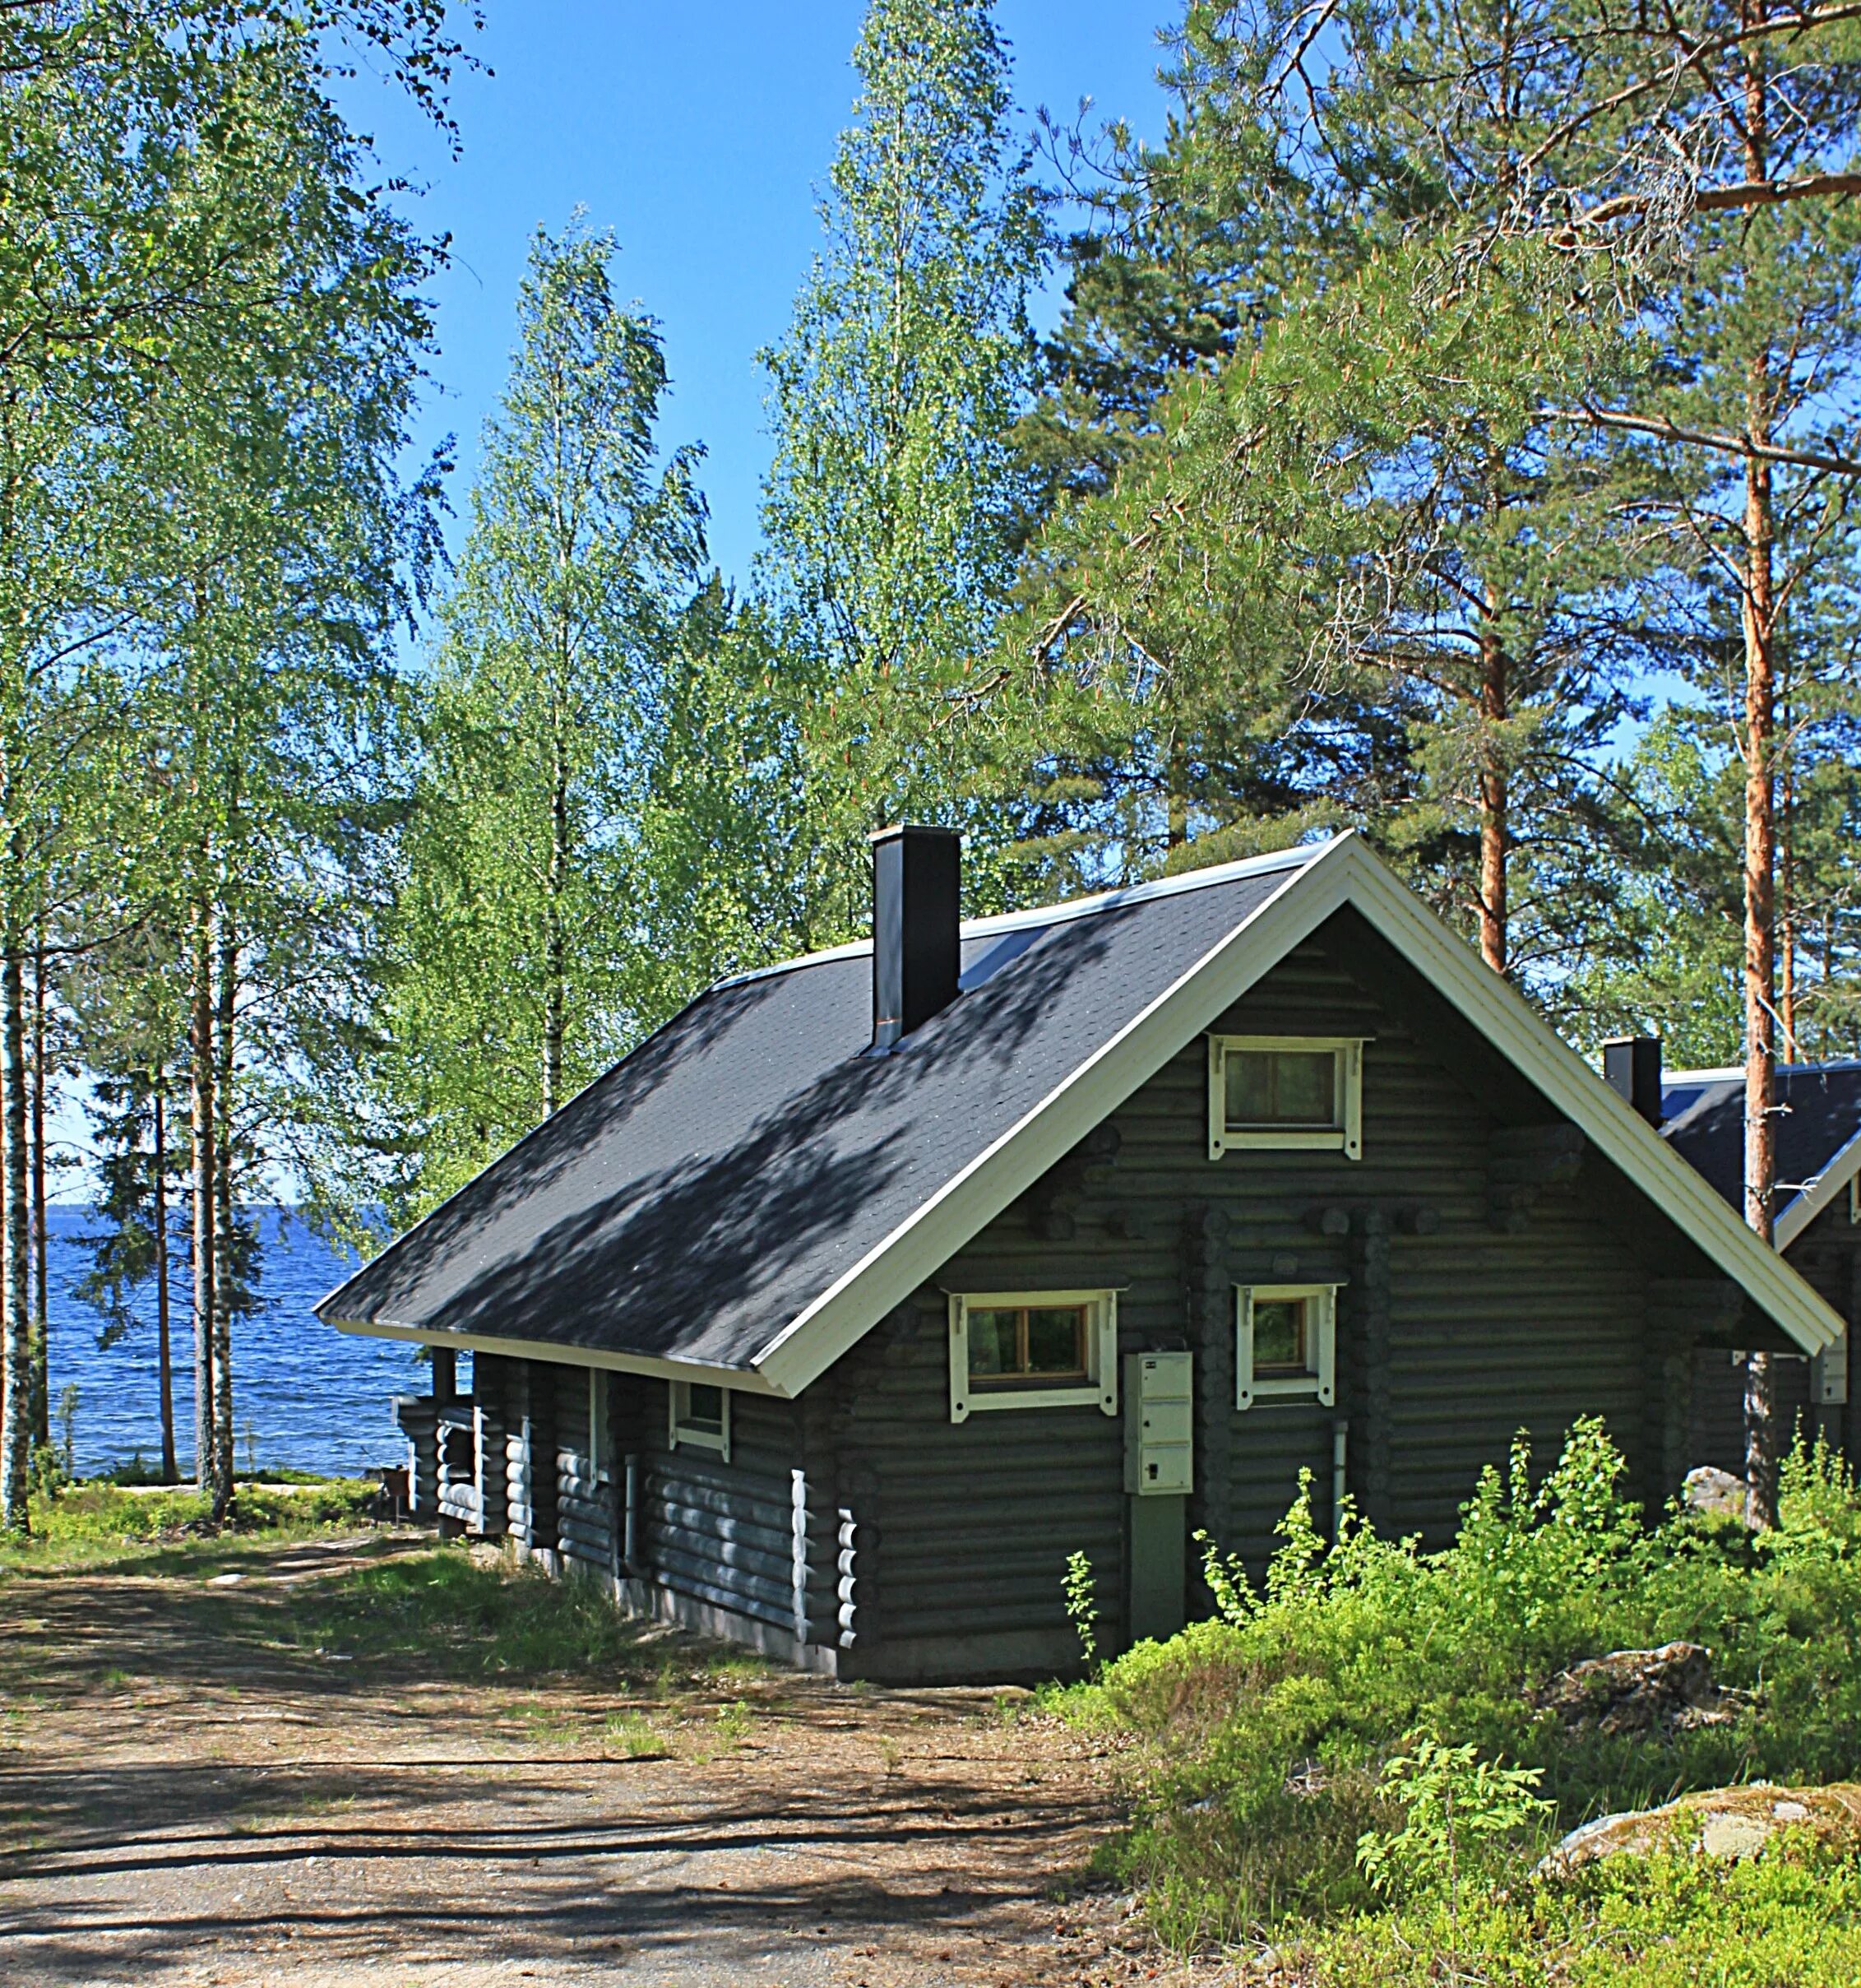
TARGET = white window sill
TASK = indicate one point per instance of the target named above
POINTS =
(1091, 1396)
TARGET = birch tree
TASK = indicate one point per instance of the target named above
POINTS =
(143, 225)
(895, 500)
(507, 957)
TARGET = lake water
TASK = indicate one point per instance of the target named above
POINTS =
(308, 1396)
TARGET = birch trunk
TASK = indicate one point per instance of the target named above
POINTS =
(555, 967)
(15, 1417)
(224, 1256)
(41, 1266)
(164, 1361)
(201, 1138)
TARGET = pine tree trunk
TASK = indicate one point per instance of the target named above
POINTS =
(202, 1141)
(164, 1361)
(41, 1265)
(1786, 895)
(1759, 619)
(555, 965)
(1495, 802)
(15, 1417)
(225, 1254)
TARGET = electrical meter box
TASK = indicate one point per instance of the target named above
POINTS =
(1828, 1376)
(1159, 1406)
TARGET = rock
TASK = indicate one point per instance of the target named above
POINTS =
(1670, 1689)
(1717, 1493)
(1732, 1823)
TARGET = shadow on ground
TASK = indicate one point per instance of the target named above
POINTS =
(195, 1788)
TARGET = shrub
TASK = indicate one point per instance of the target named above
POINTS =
(1270, 1737)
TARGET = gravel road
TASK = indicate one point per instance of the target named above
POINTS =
(189, 1796)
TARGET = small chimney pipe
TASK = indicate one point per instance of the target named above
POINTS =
(917, 888)
(1632, 1067)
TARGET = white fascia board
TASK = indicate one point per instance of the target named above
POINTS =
(1620, 1133)
(887, 1274)
(745, 1378)
(1341, 872)
(1821, 1192)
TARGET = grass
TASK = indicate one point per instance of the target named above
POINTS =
(631, 1733)
(86, 1524)
(1262, 1742)
(466, 1616)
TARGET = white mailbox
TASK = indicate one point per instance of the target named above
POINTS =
(1159, 1407)
(1828, 1376)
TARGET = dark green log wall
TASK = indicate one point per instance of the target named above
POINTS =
(1473, 1307)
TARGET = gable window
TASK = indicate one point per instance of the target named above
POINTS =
(1051, 1349)
(1285, 1343)
(1291, 1092)
(701, 1417)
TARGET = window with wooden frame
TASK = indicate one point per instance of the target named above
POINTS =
(1046, 1349)
(1285, 1343)
(1287, 1093)
(701, 1416)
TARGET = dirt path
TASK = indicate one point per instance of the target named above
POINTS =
(189, 1794)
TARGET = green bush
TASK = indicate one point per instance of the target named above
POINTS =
(1264, 1734)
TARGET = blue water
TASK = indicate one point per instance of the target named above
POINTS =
(305, 1397)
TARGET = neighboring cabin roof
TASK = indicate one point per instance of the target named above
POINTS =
(747, 1193)
(1819, 1134)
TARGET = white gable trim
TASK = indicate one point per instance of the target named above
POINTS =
(1338, 872)
(1619, 1133)
(1822, 1193)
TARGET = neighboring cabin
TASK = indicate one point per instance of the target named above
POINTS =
(871, 1286)
(1817, 1228)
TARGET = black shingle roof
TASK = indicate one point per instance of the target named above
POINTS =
(713, 1184)
(1706, 1124)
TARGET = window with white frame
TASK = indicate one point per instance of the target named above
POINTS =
(701, 1417)
(1043, 1348)
(1285, 1343)
(1285, 1092)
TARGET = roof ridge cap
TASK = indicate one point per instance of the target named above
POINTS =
(1296, 857)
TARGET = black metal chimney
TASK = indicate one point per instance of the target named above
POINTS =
(917, 878)
(1631, 1067)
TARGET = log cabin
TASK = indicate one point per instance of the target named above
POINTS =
(840, 1312)
(1816, 1225)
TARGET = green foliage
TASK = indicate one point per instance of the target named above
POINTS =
(1226, 1579)
(507, 954)
(1267, 1734)
(1455, 1806)
(1791, 1918)
(1082, 1604)
(893, 505)
(95, 1520)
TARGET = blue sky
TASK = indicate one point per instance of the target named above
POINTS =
(699, 135)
